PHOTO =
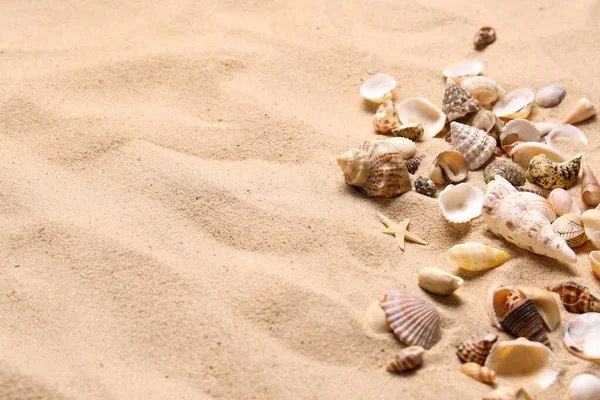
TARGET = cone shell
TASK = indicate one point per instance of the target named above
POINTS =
(457, 101)
(483, 37)
(448, 167)
(378, 89)
(539, 203)
(408, 359)
(595, 263)
(483, 89)
(582, 336)
(460, 203)
(425, 187)
(591, 224)
(476, 348)
(576, 297)
(523, 153)
(422, 111)
(584, 387)
(374, 319)
(548, 174)
(582, 110)
(438, 281)
(474, 256)
(463, 69)
(474, 144)
(519, 130)
(570, 228)
(524, 320)
(478, 372)
(508, 393)
(506, 169)
(409, 131)
(516, 104)
(590, 188)
(413, 320)
(550, 96)
(562, 202)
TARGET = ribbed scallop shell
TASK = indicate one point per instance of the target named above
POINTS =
(582, 336)
(576, 297)
(478, 372)
(474, 256)
(582, 110)
(378, 88)
(524, 152)
(475, 145)
(539, 203)
(562, 202)
(457, 101)
(570, 228)
(410, 131)
(460, 203)
(516, 104)
(386, 117)
(524, 320)
(407, 359)
(506, 169)
(413, 320)
(550, 96)
(476, 348)
(551, 175)
(448, 167)
(483, 89)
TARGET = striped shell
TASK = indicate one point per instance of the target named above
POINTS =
(474, 256)
(550, 96)
(576, 297)
(478, 372)
(475, 145)
(570, 228)
(408, 359)
(476, 348)
(523, 320)
(410, 131)
(539, 203)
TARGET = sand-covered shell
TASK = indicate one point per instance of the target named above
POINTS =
(576, 297)
(474, 256)
(570, 228)
(565, 131)
(591, 224)
(478, 372)
(523, 362)
(414, 321)
(460, 203)
(485, 36)
(506, 169)
(590, 188)
(581, 110)
(410, 131)
(412, 164)
(541, 204)
(562, 202)
(386, 117)
(476, 348)
(483, 89)
(508, 393)
(438, 281)
(582, 336)
(475, 145)
(425, 187)
(516, 104)
(488, 122)
(548, 174)
(463, 69)
(523, 320)
(378, 89)
(550, 96)
(374, 319)
(448, 167)
(519, 130)
(523, 153)
(584, 387)
(422, 111)
(457, 101)
(407, 359)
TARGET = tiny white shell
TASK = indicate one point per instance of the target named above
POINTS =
(461, 203)
(378, 88)
(566, 131)
(519, 130)
(584, 387)
(514, 104)
(463, 69)
(422, 111)
(550, 96)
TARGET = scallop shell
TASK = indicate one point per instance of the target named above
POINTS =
(407, 359)
(560, 131)
(488, 122)
(413, 320)
(508, 393)
(483, 37)
(546, 305)
(539, 203)
(474, 256)
(562, 202)
(548, 174)
(506, 169)
(474, 144)
(591, 224)
(425, 187)
(409, 131)
(524, 362)
(582, 110)
(423, 112)
(374, 319)
(457, 101)
(519, 130)
(523, 320)
(386, 117)
(448, 166)
(550, 96)
(483, 89)
(413, 164)
(460, 203)
(584, 387)
(570, 228)
(478, 372)
(590, 188)
(576, 297)
(438, 281)
(378, 89)
(595, 263)
(582, 336)
(516, 104)
(476, 348)
(496, 301)
(463, 69)
(524, 152)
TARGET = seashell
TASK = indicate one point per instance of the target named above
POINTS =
(483, 89)
(463, 69)
(478, 372)
(519, 130)
(484, 37)
(539, 203)
(591, 224)
(409, 131)
(406, 147)
(377, 168)
(448, 166)
(474, 144)
(378, 89)
(551, 175)
(460, 203)
(412, 164)
(560, 131)
(508, 393)
(506, 169)
(546, 305)
(516, 104)
(508, 215)
(407, 359)
(438, 281)
(508, 149)
(523, 153)
(524, 320)
(524, 362)
(595, 262)
(423, 112)
(590, 189)
(498, 152)
(474, 256)
(425, 187)
(575, 297)
(545, 127)
(497, 301)
(582, 110)
(581, 336)
(386, 117)
(540, 193)
(457, 101)
(562, 202)
(550, 96)
(584, 387)
(413, 320)
(570, 228)
(488, 122)
(476, 348)
(375, 320)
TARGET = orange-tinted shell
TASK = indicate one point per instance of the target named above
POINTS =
(386, 117)
(477, 372)
(575, 297)
(407, 360)
(476, 348)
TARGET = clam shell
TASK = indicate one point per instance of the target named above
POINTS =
(483, 89)
(524, 152)
(516, 104)
(584, 387)
(519, 130)
(561, 131)
(478, 372)
(406, 147)
(582, 110)
(407, 359)
(438, 281)
(496, 301)
(506, 169)
(548, 174)
(590, 188)
(476, 348)
(562, 202)
(524, 320)
(423, 112)
(386, 117)
(413, 320)
(463, 69)
(508, 393)
(546, 305)
(474, 256)
(523, 362)
(474, 144)
(582, 336)
(483, 37)
(576, 298)
(409, 131)
(448, 166)
(550, 96)
(570, 228)
(539, 203)
(378, 89)
(374, 319)
(460, 203)
(591, 224)
(457, 101)
(595, 263)
(488, 122)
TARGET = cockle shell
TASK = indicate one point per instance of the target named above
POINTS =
(474, 144)
(524, 152)
(378, 89)
(551, 175)
(483, 37)
(457, 101)
(582, 110)
(516, 104)
(562, 202)
(570, 228)
(523, 362)
(386, 117)
(425, 187)
(539, 203)
(406, 147)
(582, 336)
(576, 297)
(506, 169)
(413, 320)
(485, 90)
(463, 69)
(460, 203)
(374, 319)
(584, 387)
(565, 131)
(409, 131)
(478, 372)
(591, 224)
(508, 393)
(423, 112)
(474, 256)
(488, 122)
(407, 359)
(438, 281)
(448, 166)
(519, 130)
(523, 320)
(590, 188)
(550, 96)
(476, 348)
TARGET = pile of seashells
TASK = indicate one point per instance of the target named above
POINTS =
(488, 129)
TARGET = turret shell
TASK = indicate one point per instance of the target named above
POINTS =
(457, 101)
(474, 144)
(407, 359)
(476, 348)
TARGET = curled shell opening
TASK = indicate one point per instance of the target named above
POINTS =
(460, 203)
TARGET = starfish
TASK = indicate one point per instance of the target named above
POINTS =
(400, 231)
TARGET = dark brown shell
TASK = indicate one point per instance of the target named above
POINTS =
(524, 320)
(575, 297)
(413, 164)
(476, 348)
(484, 37)
(407, 360)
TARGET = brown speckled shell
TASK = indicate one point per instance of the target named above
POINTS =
(575, 297)
(552, 175)
(485, 36)
(457, 101)
(408, 359)
(409, 131)
(506, 169)
(476, 348)
(413, 164)
(386, 117)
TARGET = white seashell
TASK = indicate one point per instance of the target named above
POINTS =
(448, 166)
(406, 147)
(463, 69)
(595, 262)
(545, 127)
(591, 224)
(438, 281)
(550, 96)
(562, 202)
(570, 228)
(582, 110)
(375, 320)
(516, 104)
(474, 256)
(582, 336)
(566, 131)
(475, 145)
(422, 111)
(524, 152)
(483, 89)
(460, 203)
(523, 362)
(519, 130)
(378, 89)
(584, 387)
(537, 202)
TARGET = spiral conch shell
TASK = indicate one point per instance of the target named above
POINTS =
(590, 188)
(550, 175)
(576, 297)
(386, 117)
(476, 348)
(408, 359)
(475, 145)
(477, 372)
(457, 101)
(438, 281)
(582, 110)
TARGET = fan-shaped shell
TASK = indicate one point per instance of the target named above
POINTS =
(409, 131)
(460, 203)
(595, 263)
(523, 320)
(565, 131)
(576, 297)
(570, 228)
(591, 224)
(590, 188)
(584, 387)
(413, 320)
(463, 69)
(438, 281)
(516, 104)
(506, 169)
(474, 256)
(582, 336)
(550, 96)
(448, 166)
(423, 112)
(519, 130)
(581, 110)
(378, 89)
(524, 152)
(374, 319)
(474, 144)
(407, 359)
(386, 117)
(551, 175)
(478, 372)
(539, 203)
(476, 348)
(562, 202)
(483, 89)
(457, 101)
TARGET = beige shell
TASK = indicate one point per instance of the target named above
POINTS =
(460, 203)
(386, 117)
(519, 130)
(591, 224)
(463, 69)
(508, 149)
(562, 202)
(590, 188)
(407, 359)
(457, 101)
(523, 319)
(406, 147)
(565, 131)
(378, 89)
(488, 122)
(409, 131)
(508, 393)
(548, 174)
(582, 110)
(576, 297)
(476, 348)
(582, 336)
(483, 89)
(595, 262)
(516, 104)
(570, 228)
(474, 256)
(546, 305)
(448, 166)
(474, 144)
(438, 281)
(524, 152)
(423, 112)
(550, 96)
(477, 372)
(539, 203)
(374, 319)
(584, 387)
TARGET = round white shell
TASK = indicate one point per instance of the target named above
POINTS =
(524, 152)
(550, 96)
(377, 88)
(584, 387)
(463, 69)
(513, 102)
(461, 203)
(421, 111)
(519, 130)
(566, 131)
(582, 336)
